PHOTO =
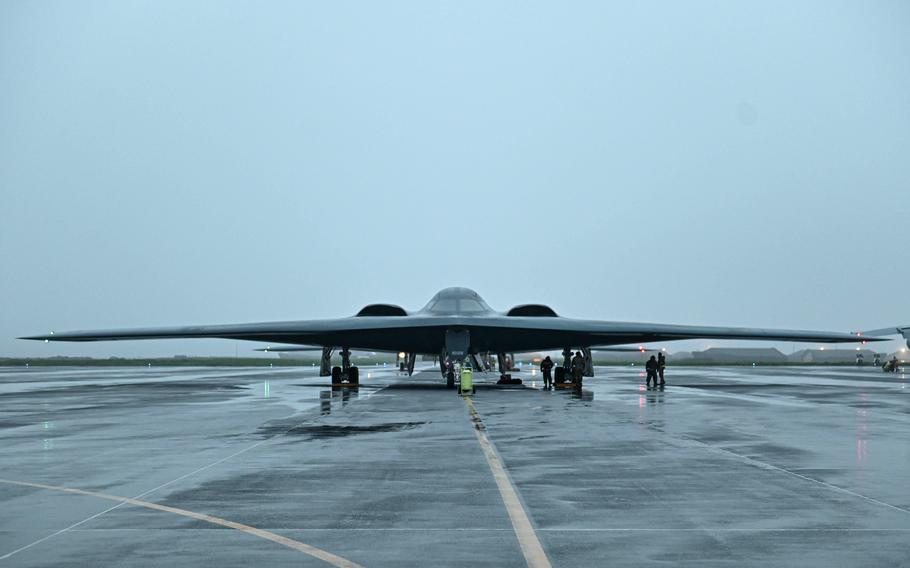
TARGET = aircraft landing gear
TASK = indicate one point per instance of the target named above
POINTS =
(351, 378)
(450, 380)
(325, 364)
(559, 375)
(346, 374)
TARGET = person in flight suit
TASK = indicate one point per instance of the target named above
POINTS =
(651, 369)
(545, 367)
(661, 365)
(578, 368)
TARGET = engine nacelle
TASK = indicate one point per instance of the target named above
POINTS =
(382, 310)
(532, 310)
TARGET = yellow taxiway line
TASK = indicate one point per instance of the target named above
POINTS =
(328, 557)
(521, 524)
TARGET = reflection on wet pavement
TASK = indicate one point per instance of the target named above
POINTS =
(745, 466)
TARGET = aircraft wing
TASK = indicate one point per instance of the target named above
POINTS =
(312, 348)
(903, 330)
(288, 349)
(644, 332)
(426, 334)
(370, 333)
(518, 334)
(272, 331)
(894, 330)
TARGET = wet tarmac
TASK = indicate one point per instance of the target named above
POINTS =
(765, 466)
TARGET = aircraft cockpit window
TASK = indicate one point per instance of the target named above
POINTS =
(470, 306)
(444, 306)
(457, 301)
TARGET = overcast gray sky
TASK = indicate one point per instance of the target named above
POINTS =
(742, 163)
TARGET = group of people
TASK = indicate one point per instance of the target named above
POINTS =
(576, 367)
(655, 369)
(890, 366)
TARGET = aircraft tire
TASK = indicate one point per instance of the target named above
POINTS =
(336, 375)
(559, 376)
(450, 380)
(354, 376)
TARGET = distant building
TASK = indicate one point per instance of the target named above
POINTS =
(615, 357)
(832, 356)
(738, 355)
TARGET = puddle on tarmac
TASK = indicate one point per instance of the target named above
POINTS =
(314, 431)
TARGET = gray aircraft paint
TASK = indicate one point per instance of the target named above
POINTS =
(460, 321)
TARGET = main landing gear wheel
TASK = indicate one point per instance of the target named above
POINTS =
(560, 376)
(336, 375)
(354, 376)
(450, 380)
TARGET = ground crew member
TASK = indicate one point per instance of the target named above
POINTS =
(578, 368)
(661, 365)
(545, 367)
(651, 368)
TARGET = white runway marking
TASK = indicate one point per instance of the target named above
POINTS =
(524, 530)
(323, 555)
(125, 500)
